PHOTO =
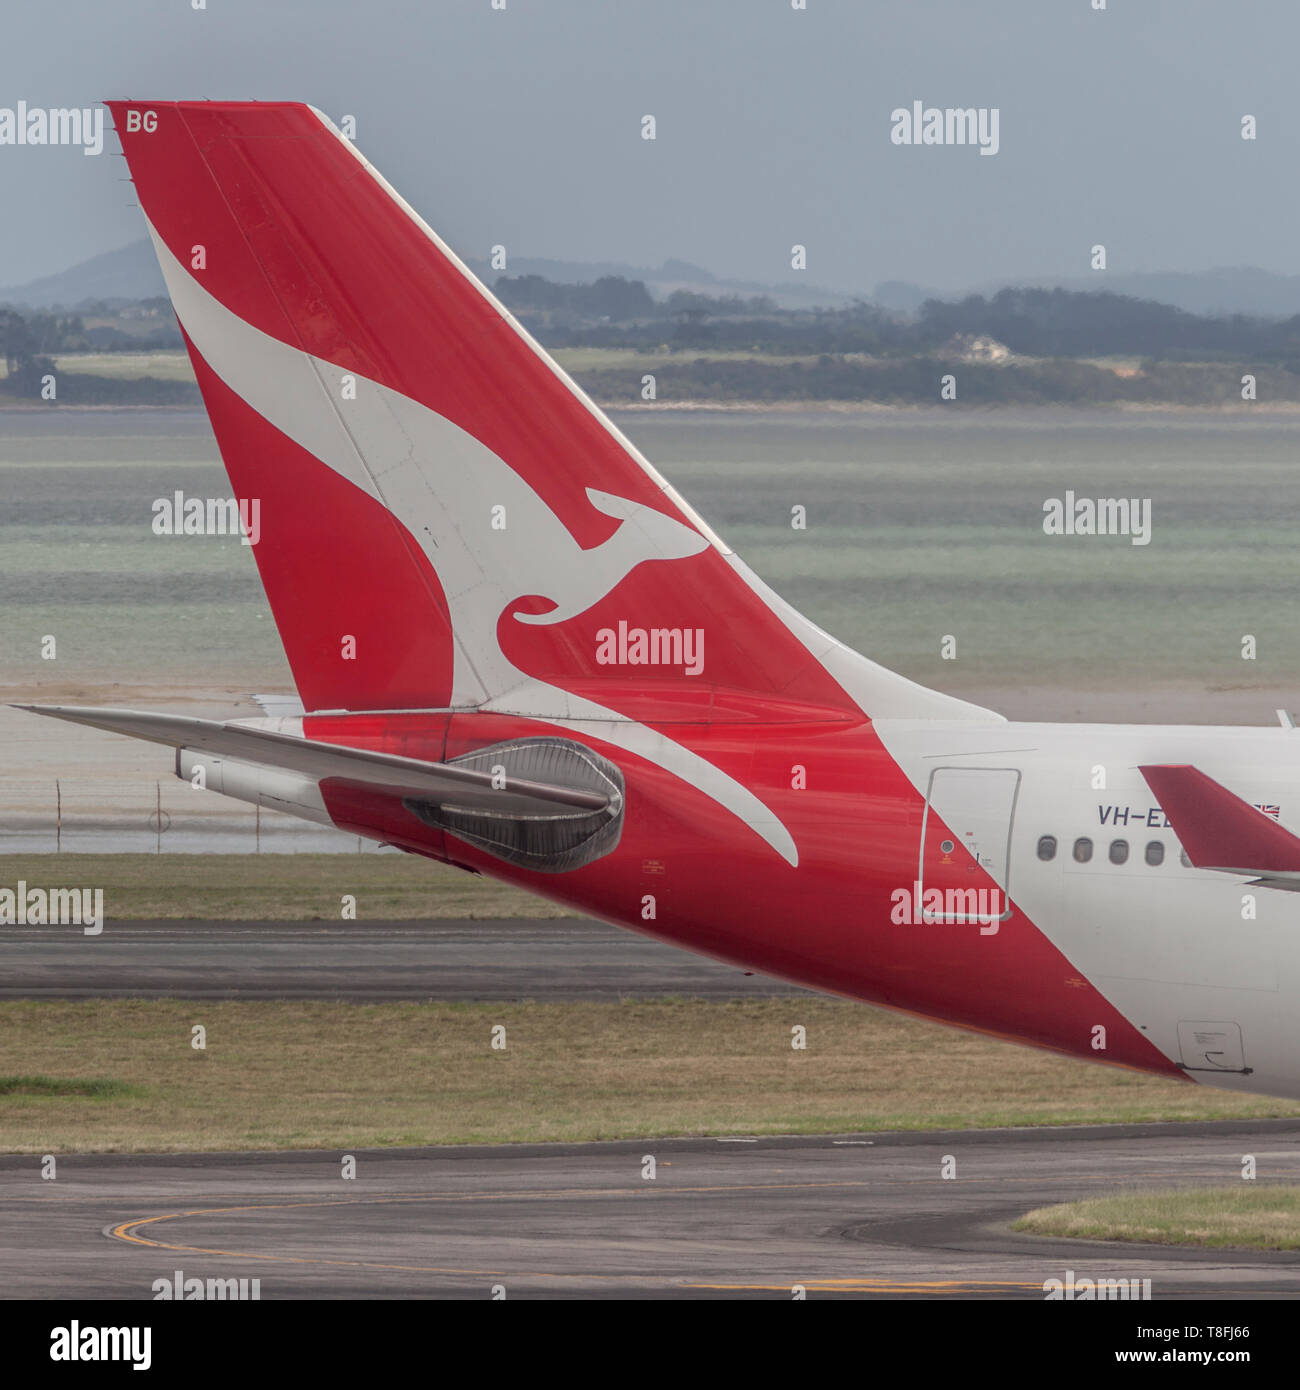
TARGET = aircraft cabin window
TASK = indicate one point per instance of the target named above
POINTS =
(1047, 847)
(1155, 852)
(1119, 851)
(1082, 850)
(1183, 859)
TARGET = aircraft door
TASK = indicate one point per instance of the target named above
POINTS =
(966, 842)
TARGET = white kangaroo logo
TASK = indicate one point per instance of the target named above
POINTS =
(588, 575)
(443, 484)
(484, 571)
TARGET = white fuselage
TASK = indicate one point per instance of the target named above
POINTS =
(1204, 964)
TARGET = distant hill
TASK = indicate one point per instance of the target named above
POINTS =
(664, 280)
(132, 273)
(1226, 290)
(129, 273)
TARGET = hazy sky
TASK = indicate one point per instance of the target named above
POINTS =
(524, 126)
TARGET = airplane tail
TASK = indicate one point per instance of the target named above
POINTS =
(446, 520)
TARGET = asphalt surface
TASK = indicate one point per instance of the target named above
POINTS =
(846, 1216)
(842, 1216)
(521, 958)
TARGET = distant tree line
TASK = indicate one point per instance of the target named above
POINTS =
(918, 380)
(857, 353)
(610, 298)
(25, 343)
(615, 312)
(28, 342)
(1071, 323)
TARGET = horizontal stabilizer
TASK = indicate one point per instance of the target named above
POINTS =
(1219, 830)
(469, 788)
(280, 706)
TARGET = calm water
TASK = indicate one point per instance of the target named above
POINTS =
(919, 525)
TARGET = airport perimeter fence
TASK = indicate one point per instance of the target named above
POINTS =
(98, 816)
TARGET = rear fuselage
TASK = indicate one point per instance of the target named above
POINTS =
(1122, 954)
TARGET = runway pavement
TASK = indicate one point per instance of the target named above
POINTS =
(842, 1216)
(522, 958)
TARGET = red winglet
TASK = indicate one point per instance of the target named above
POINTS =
(1219, 830)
